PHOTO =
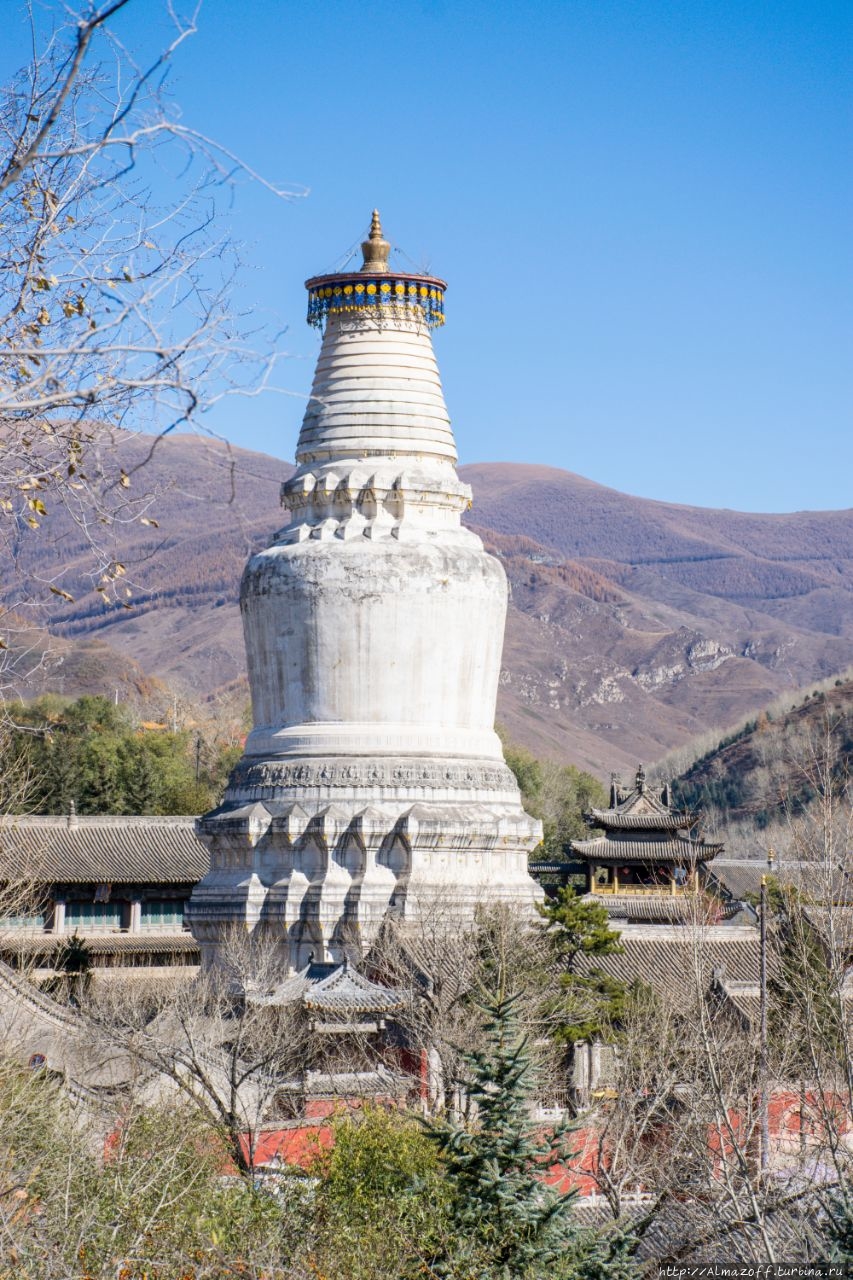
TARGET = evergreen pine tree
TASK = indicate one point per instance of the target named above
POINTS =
(507, 1222)
(143, 784)
(61, 784)
(590, 1001)
(101, 789)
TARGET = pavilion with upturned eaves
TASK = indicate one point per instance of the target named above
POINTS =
(645, 867)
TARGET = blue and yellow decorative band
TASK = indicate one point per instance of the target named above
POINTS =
(338, 295)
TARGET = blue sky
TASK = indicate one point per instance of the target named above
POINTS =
(642, 207)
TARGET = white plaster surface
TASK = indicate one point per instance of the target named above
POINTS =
(372, 781)
(376, 390)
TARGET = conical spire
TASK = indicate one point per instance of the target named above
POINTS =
(375, 248)
(376, 390)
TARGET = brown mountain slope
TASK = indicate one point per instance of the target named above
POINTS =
(633, 625)
(718, 609)
(755, 784)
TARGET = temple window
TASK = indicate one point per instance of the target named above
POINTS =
(167, 913)
(22, 921)
(93, 915)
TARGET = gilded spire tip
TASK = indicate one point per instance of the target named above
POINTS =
(375, 249)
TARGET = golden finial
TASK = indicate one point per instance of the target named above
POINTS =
(375, 248)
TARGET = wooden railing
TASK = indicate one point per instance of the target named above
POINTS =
(658, 889)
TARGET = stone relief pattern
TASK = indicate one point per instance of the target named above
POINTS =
(273, 773)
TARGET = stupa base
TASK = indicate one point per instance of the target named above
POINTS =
(318, 877)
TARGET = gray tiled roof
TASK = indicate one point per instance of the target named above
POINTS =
(355, 1084)
(687, 1230)
(652, 906)
(674, 849)
(32, 1022)
(742, 876)
(348, 991)
(666, 957)
(108, 850)
(101, 942)
(737, 876)
(745, 997)
(616, 820)
(332, 989)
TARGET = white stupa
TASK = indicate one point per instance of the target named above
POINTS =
(373, 781)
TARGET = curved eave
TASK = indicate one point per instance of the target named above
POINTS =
(676, 850)
(613, 819)
(340, 1008)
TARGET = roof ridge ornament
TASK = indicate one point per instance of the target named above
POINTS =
(375, 249)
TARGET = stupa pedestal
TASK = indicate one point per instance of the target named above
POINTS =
(373, 781)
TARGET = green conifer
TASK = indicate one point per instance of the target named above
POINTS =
(507, 1222)
(590, 1001)
(838, 1210)
(143, 782)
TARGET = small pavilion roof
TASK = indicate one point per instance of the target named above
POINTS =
(337, 990)
(642, 808)
(346, 990)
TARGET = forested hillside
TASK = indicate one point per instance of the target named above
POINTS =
(772, 771)
(96, 755)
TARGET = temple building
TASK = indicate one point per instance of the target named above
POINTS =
(649, 869)
(119, 885)
(373, 782)
(648, 865)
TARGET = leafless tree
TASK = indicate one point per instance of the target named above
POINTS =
(678, 1137)
(217, 1039)
(446, 971)
(23, 891)
(116, 274)
(813, 929)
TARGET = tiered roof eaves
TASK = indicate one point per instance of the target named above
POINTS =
(346, 990)
(342, 992)
(614, 820)
(676, 849)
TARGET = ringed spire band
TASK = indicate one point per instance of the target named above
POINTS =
(375, 288)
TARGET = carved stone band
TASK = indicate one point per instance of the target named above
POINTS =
(371, 773)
